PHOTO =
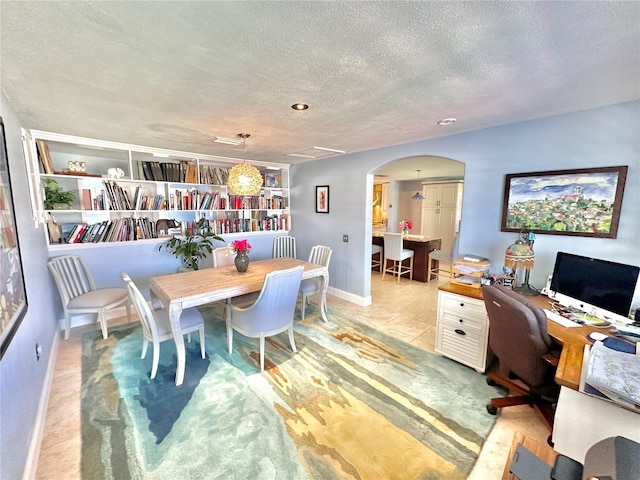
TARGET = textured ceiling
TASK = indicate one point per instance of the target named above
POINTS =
(176, 74)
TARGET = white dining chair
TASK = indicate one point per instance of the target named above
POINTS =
(284, 246)
(320, 255)
(156, 327)
(272, 312)
(394, 251)
(79, 294)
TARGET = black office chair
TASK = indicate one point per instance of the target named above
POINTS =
(524, 351)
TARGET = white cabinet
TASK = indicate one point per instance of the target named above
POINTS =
(462, 329)
(385, 199)
(152, 185)
(441, 211)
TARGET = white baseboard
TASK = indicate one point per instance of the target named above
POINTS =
(31, 465)
(350, 297)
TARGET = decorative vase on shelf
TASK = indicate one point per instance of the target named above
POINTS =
(405, 232)
(242, 262)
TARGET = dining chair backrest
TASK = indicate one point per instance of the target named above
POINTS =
(147, 320)
(72, 277)
(276, 303)
(393, 246)
(320, 255)
(284, 246)
(79, 294)
(221, 258)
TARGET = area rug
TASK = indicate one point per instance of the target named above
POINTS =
(353, 403)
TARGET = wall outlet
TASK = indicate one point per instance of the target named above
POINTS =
(345, 238)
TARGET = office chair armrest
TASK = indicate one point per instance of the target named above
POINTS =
(551, 358)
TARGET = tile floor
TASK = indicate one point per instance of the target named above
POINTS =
(406, 310)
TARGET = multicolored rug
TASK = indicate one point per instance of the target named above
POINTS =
(353, 403)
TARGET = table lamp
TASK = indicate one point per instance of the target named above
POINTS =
(521, 255)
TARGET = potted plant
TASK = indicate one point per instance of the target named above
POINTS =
(55, 197)
(193, 246)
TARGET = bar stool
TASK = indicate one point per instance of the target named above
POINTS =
(393, 250)
(376, 261)
(447, 257)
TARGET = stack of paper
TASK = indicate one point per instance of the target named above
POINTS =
(614, 374)
(470, 270)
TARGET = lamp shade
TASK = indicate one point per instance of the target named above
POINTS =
(519, 255)
(245, 179)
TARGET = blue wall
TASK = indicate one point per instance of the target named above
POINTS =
(21, 375)
(599, 137)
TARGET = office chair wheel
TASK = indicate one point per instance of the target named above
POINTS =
(491, 382)
(491, 409)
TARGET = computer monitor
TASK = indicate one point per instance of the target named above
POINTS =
(598, 287)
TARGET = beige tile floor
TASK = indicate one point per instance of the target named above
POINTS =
(406, 310)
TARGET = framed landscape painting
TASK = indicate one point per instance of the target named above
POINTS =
(583, 202)
(13, 298)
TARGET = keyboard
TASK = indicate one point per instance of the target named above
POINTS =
(629, 330)
(555, 317)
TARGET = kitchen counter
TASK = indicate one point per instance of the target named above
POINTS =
(421, 247)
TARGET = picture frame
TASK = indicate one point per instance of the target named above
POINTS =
(581, 202)
(13, 296)
(322, 199)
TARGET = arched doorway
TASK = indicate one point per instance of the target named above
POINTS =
(398, 185)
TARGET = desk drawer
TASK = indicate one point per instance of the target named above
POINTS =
(470, 325)
(470, 306)
(462, 345)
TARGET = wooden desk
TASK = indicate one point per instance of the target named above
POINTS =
(198, 287)
(572, 340)
(421, 247)
(542, 451)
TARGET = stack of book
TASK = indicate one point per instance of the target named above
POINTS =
(612, 374)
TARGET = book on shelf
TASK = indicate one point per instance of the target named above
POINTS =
(87, 201)
(75, 233)
(44, 156)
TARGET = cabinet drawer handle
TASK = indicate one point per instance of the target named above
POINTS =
(460, 332)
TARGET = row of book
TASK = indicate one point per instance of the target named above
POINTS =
(241, 225)
(130, 228)
(238, 202)
(118, 230)
(182, 172)
(114, 197)
(211, 175)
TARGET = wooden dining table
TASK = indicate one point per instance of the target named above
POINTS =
(198, 287)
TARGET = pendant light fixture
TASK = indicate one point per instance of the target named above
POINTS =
(418, 195)
(245, 179)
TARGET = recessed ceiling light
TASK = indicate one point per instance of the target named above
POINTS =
(299, 106)
(447, 121)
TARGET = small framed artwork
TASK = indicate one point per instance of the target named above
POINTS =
(583, 202)
(322, 199)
